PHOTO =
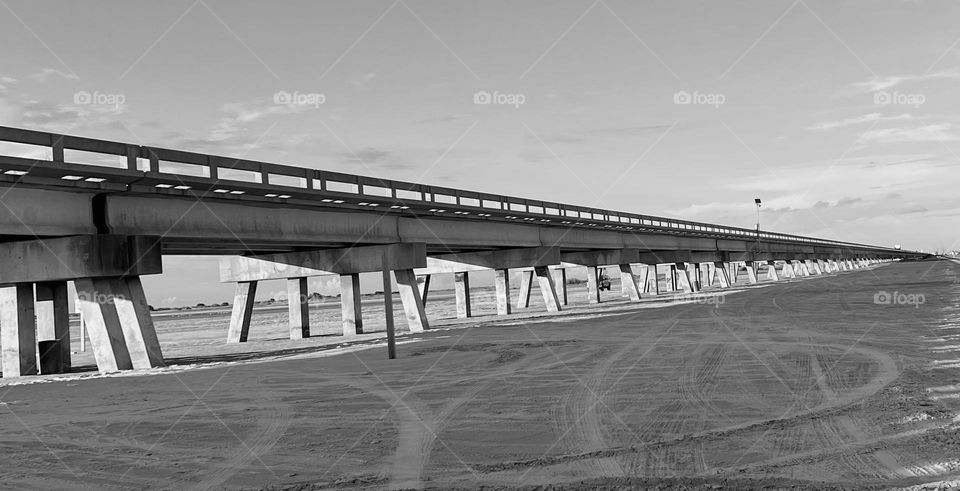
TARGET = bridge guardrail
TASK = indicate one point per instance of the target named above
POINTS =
(169, 169)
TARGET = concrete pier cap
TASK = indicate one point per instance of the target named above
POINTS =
(348, 263)
(106, 271)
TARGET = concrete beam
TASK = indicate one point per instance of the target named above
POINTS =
(366, 259)
(664, 257)
(81, 256)
(526, 257)
(602, 257)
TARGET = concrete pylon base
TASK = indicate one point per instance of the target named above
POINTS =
(119, 324)
(461, 285)
(502, 284)
(628, 283)
(547, 288)
(413, 307)
(720, 273)
(18, 339)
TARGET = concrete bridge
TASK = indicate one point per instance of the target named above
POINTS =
(102, 213)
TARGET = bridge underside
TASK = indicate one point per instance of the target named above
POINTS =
(103, 239)
(223, 226)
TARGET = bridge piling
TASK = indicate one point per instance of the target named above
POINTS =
(17, 331)
(298, 307)
(242, 311)
(53, 320)
(628, 283)
(462, 292)
(351, 314)
(502, 285)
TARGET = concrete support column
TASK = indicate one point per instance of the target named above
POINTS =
(788, 271)
(53, 320)
(673, 277)
(18, 334)
(695, 275)
(119, 324)
(298, 308)
(526, 286)
(243, 299)
(643, 281)
(461, 285)
(560, 278)
(593, 287)
(751, 267)
(682, 276)
(423, 285)
(772, 271)
(413, 307)
(350, 311)
(502, 283)
(720, 270)
(547, 288)
(654, 271)
(628, 283)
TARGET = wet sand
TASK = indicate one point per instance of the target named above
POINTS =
(803, 383)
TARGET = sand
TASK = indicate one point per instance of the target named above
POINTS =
(800, 384)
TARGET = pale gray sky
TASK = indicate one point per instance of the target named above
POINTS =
(842, 116)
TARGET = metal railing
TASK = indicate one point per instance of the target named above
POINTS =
(123, 166)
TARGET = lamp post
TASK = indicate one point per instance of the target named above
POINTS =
(758, 203)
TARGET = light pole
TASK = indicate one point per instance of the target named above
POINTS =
(758, 203)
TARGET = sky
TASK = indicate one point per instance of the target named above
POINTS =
(843, 117)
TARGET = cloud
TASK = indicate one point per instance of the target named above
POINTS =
(363, 81)
(866, 118)
(883, 83)
(47, 73)
(609, 132)
(926, 133)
